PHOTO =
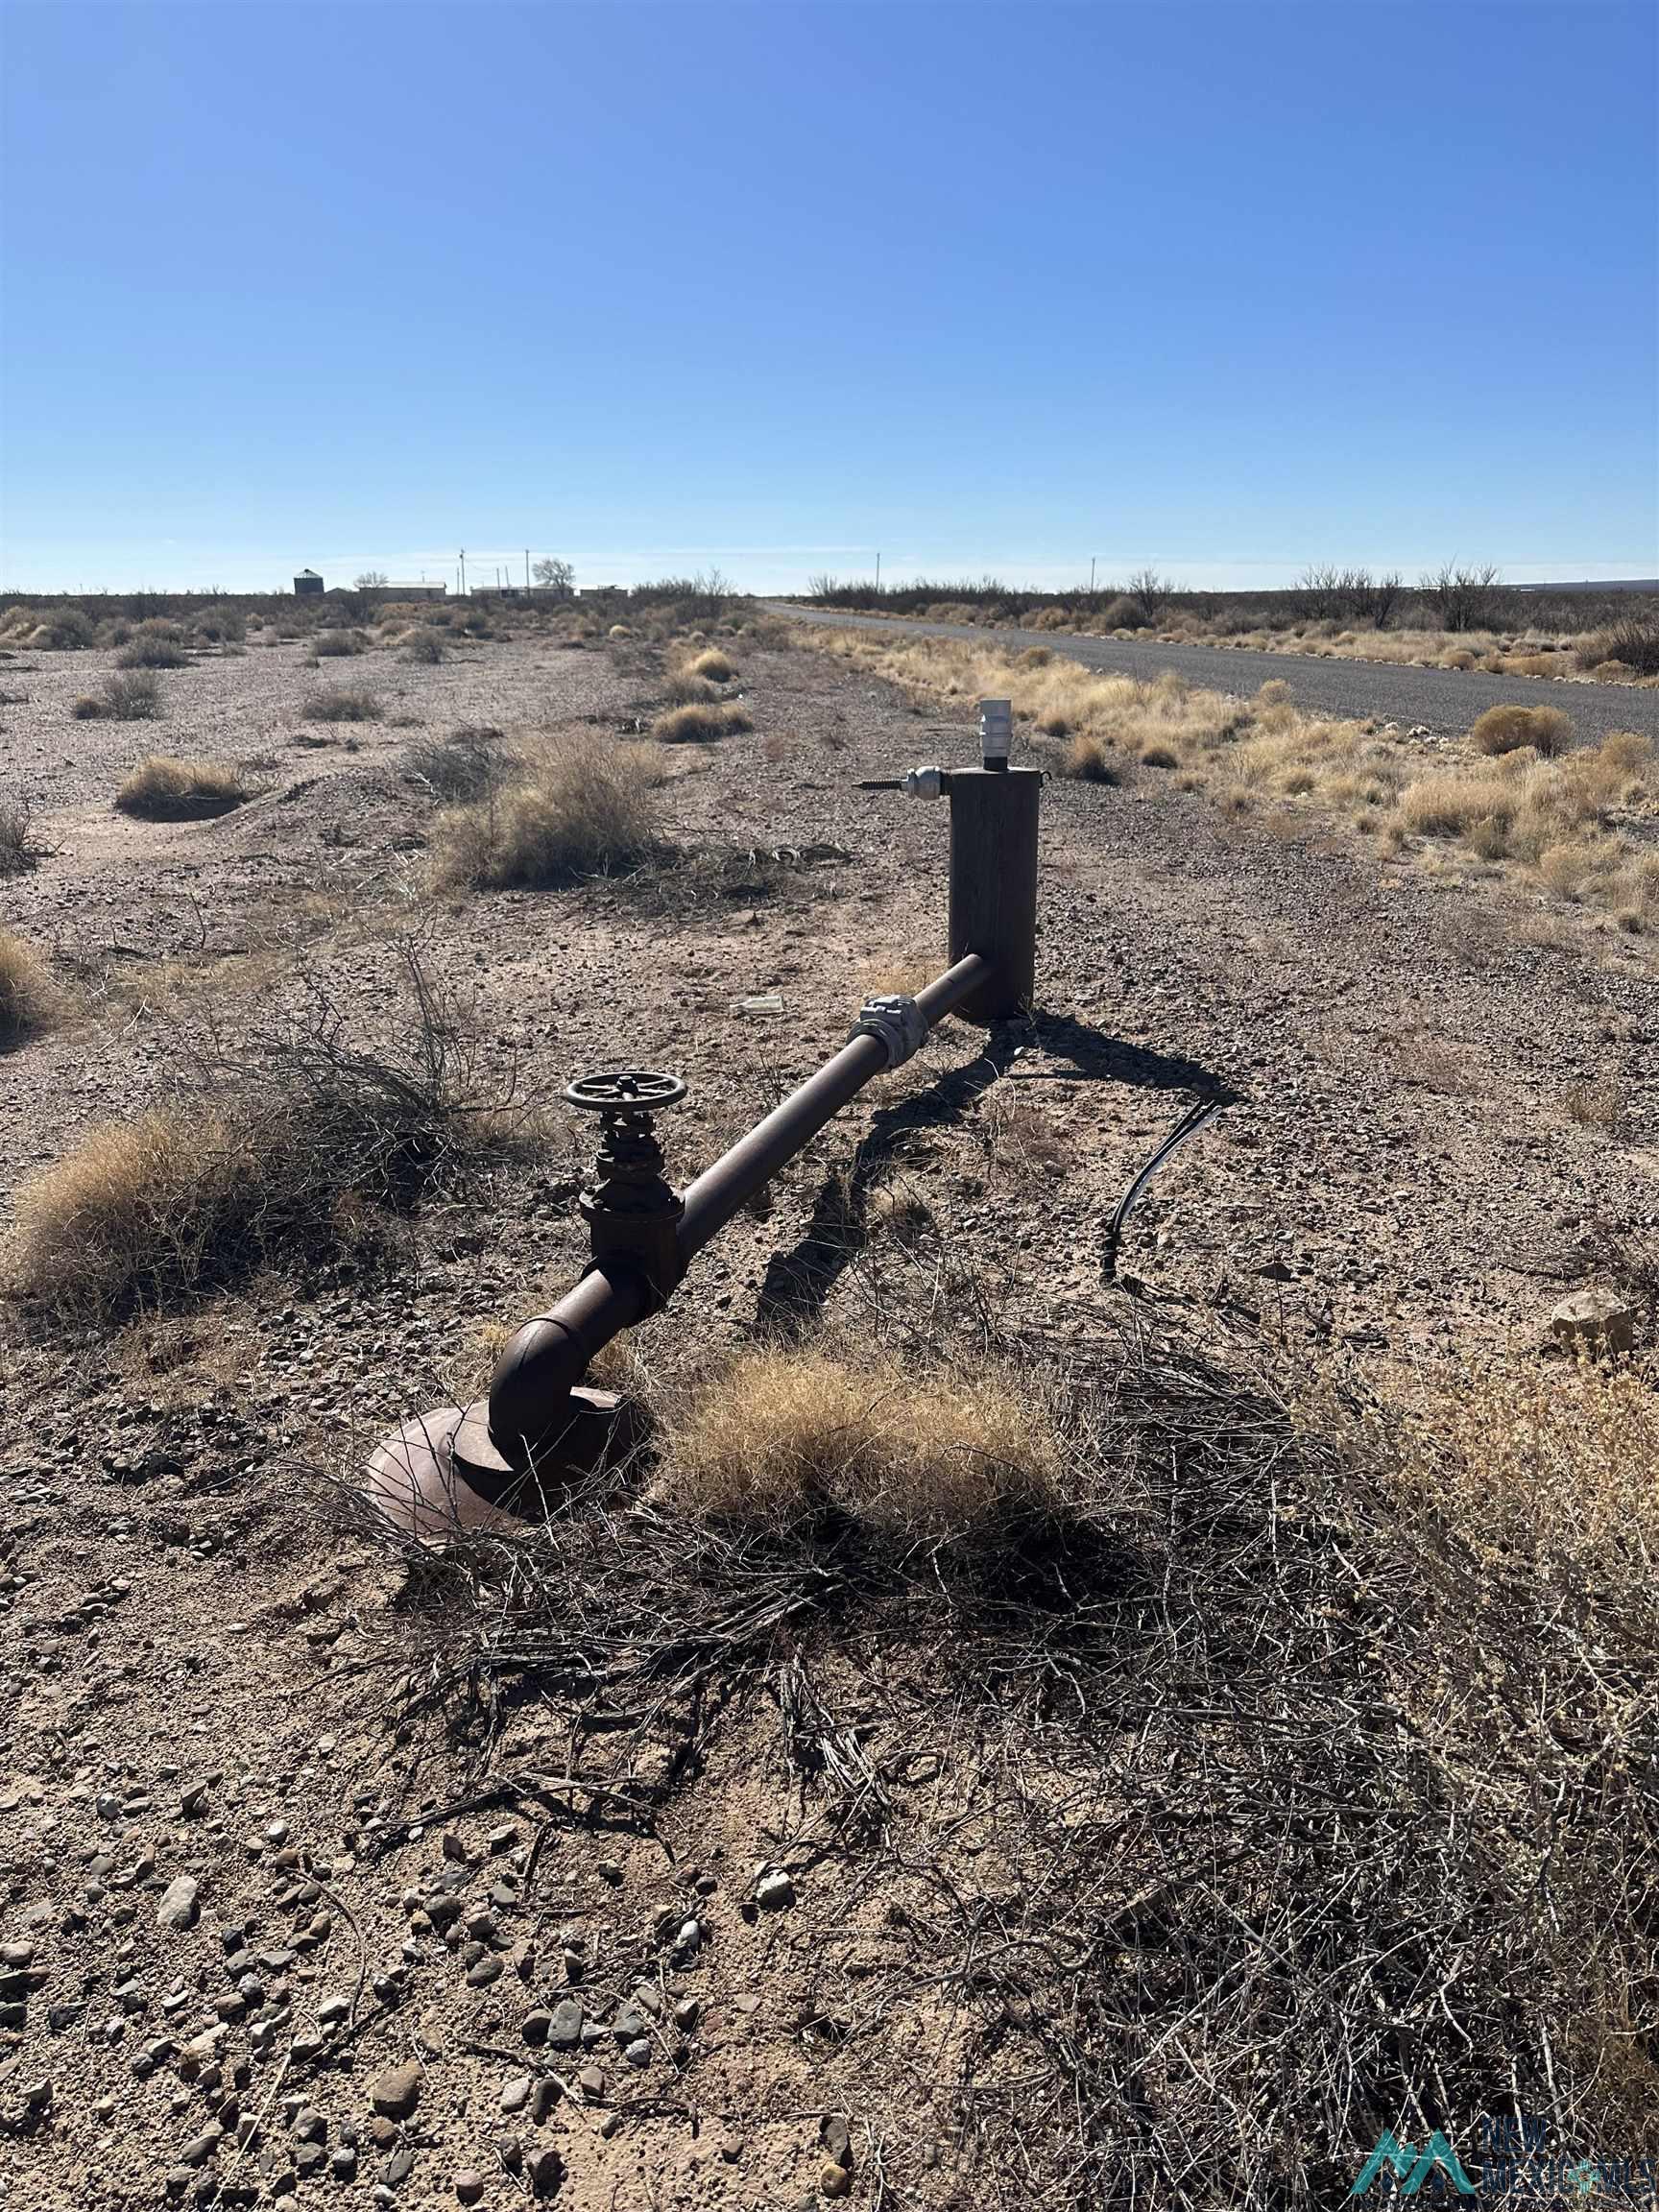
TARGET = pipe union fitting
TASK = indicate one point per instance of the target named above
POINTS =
(897, 1021)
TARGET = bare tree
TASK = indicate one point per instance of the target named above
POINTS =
(713, 590)
(370, 580)
(1149, 590)
(556, 576)
(1461, 598)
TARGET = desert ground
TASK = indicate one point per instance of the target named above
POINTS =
(1259, 1751)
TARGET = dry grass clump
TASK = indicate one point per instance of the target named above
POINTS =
(681, 689)
(49, 629)
(793, 1437)
(18, 850)
(1506, 728)
(301, 1145)
(1553, 819)
(339, 644)
(424, 646)
(28, 1001)
(343, 706)
(165, 789)
(154, 646)
(712, 665)
(699, 725)
(1089, 762)
(580, 813)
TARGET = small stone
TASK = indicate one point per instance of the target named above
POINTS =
(535, 2025)
(502, 1839)
(610, 1871)
(399, 2166)
(198, 2152)
(690, 1935)
(836, 2138)
(179, 1907)
(485, 1971)
(546, 2171)
(565, 2032)
(590, 2081)
(548, 2091)
(516, 2093)
(638, 2054)
(454, 1848)
(773, 1891)
(468, 2185)
(833, 2180)
(397, 2091)
(342, 2165)
(309, 2125)
(687, 2014)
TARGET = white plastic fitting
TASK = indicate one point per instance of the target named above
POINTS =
(923, 782)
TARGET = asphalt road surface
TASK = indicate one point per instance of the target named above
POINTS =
(1446, 700)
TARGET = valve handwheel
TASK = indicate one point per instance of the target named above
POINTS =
(625, 1091)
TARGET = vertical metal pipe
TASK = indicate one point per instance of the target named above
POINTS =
(993, 816)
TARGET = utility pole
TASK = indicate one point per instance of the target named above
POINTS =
(877, 573)
(1093, 557)
(526, 567)
(463, 571)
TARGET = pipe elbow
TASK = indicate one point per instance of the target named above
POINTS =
(542, 1363)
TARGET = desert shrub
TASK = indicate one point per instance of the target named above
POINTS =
(87, 707)
(219, 625)
(63, 630)
(1632, 641)
(1124, 614)
(793, 1437)
(343, 706)
(1159, 755)
(339, 644)
(714, 665)
(298, 1146)
(426, 645)
(582, 813)
(28, 1002)
(131, 695)
(154, 646)
(1506, 728)
(699, 725)
(462, 767)
(165, 789)
(18, 850)
(1455, 806)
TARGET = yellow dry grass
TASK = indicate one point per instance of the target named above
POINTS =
(28, 1000)
(713, 667)
(791, 1438)
(1506, 728)
(1574, 826)
(699, 725)
(137, 1204)
(579, 812)
(161, 788)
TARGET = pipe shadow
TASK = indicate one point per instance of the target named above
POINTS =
(798, 1283)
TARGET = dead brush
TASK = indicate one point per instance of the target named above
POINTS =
(28, 1000)
(345, 704)
(296, 1144)
(19, 849)
(161, 788)
(462, 767)
(1261, 1783)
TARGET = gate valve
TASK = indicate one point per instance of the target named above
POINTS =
(633, 1213)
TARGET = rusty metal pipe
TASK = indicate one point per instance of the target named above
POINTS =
(549, 1355)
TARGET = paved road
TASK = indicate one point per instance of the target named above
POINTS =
(1442, 699)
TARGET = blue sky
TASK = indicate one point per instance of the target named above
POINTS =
(1227, 287)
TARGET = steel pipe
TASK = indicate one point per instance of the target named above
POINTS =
(551, 1354)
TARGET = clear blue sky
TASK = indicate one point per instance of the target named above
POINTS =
(1229, 287)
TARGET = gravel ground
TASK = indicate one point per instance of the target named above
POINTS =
(1443, 700)
(228, 1876)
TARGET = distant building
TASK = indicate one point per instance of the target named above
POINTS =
(405, 590)
(307, 581)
